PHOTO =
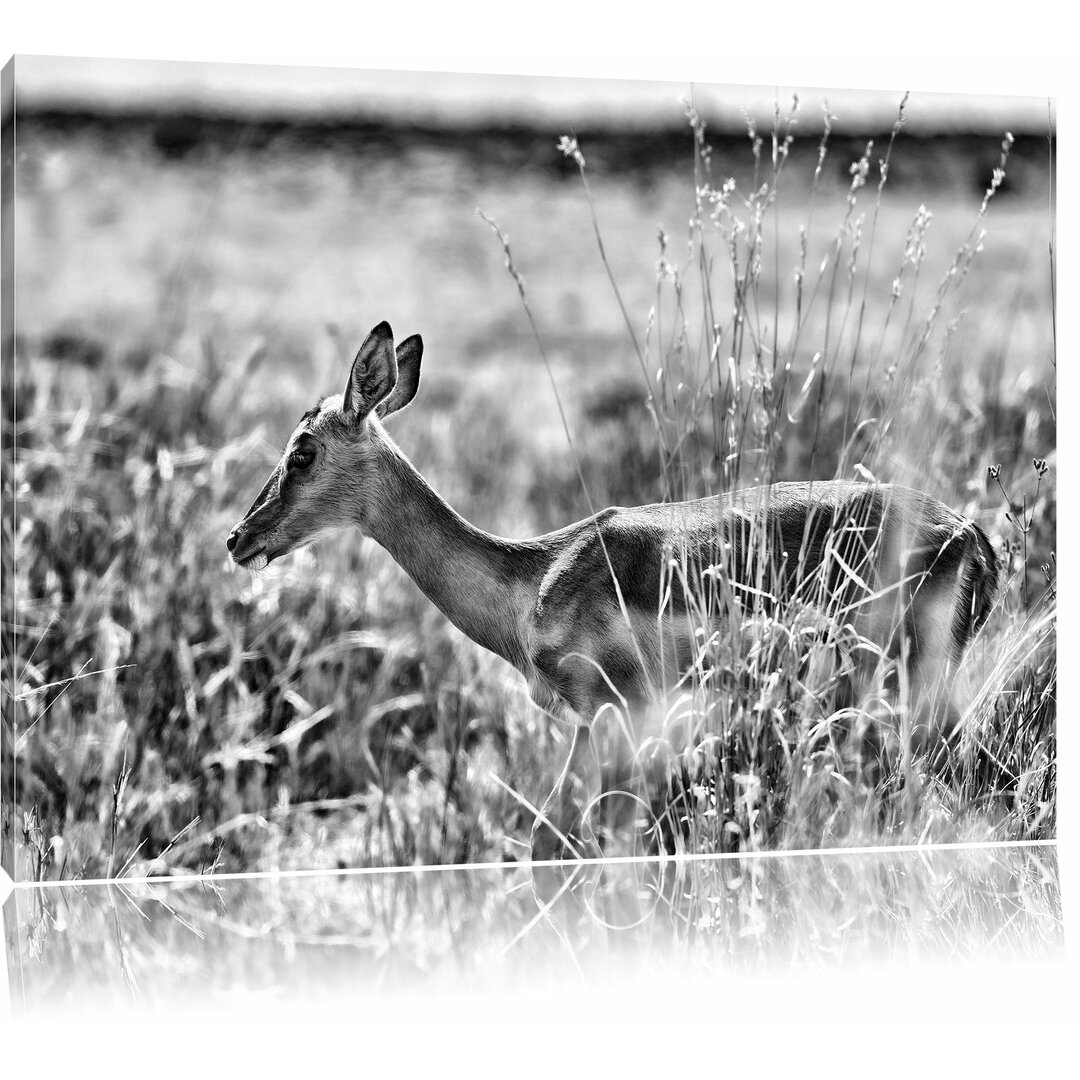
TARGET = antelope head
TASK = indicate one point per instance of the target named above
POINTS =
(328, 475)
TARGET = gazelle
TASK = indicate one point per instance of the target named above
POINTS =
(593, 615)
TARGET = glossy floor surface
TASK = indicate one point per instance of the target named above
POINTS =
(146, 943)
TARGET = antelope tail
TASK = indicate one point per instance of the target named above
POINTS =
(979, 575)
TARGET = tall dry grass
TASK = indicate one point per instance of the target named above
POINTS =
(167, 711)
(752, 379)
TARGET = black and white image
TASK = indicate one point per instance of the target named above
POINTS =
(405, 469)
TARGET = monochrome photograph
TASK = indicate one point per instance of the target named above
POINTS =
(611, 484)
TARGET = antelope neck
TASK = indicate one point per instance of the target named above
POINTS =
(474, 578)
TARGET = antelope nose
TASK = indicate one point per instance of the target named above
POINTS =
(231, 542)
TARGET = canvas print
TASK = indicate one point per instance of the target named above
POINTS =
(403, 468)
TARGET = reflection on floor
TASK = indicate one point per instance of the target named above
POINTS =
(147, 943)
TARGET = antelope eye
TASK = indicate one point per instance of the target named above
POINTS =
(301, 459)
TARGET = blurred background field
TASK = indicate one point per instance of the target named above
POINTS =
(190, 278)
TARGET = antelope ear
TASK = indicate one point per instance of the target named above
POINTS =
(373, 375)
(408, 368)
